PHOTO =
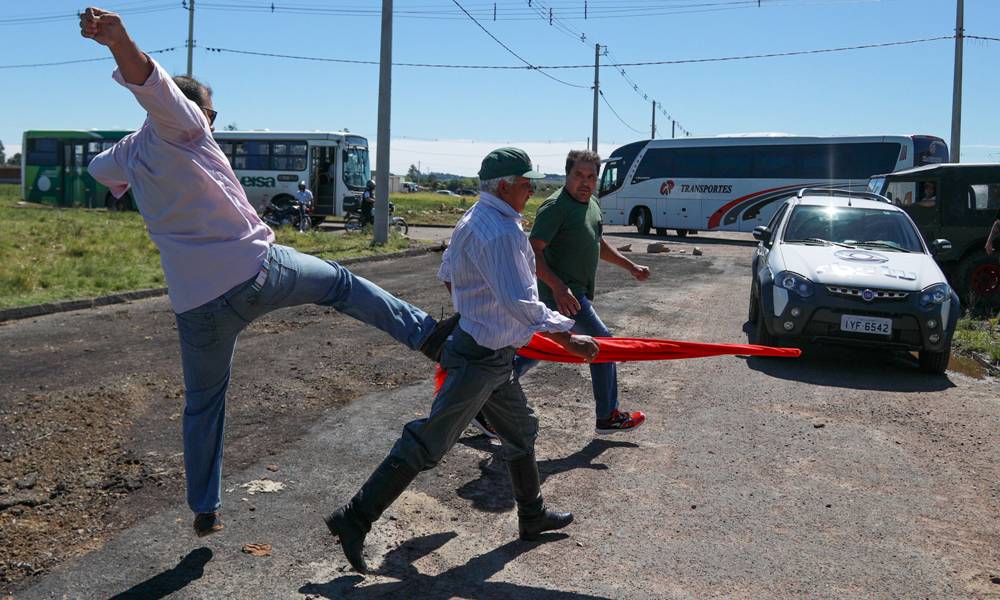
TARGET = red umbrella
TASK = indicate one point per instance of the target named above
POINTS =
(616, 349)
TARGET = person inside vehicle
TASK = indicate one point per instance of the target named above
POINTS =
(304, 198)
(929, 199)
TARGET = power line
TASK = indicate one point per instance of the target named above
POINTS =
(81, 60)
(122, 9)
(616, 65)
(507, 48)
(603, 97)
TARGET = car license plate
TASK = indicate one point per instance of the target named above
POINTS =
(875, 325)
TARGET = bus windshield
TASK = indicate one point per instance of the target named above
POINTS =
(356, 169)
(610, 180)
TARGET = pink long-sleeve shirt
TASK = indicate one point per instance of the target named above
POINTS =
(210, 237)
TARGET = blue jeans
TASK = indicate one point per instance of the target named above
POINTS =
(208, 336)
(603, 376)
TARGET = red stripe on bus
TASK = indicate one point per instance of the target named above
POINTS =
(717, 215)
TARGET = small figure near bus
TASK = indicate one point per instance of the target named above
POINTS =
(994, 232)
(368, 204)
(567, 242)
(222, 266)
(929, 199)
(488, 271)
(304, 198)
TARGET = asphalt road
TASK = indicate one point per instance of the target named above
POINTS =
(842, 474)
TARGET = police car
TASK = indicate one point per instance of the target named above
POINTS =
(849, 267)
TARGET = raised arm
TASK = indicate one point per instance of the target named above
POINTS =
(173, 116)
(106, 28)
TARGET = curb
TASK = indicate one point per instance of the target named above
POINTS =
(37, 310)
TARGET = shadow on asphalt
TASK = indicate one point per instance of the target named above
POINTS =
(491, 492)
(689, 239)
(191, 568)
(852, 367)
(464, 581)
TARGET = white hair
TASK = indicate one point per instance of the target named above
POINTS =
(492, 186)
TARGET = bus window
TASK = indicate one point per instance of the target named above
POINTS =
(250, 156)
(288, 156)
(929, 151)
(773, 162)
(733, 162)
(42, 152)
(356, 169)
(610, 180)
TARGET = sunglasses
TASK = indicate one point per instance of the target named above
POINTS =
(211, 114)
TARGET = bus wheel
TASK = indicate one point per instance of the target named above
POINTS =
(643, 220)
(682, 232)
(980, 279)
(661, 231)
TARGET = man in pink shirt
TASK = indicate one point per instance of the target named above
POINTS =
(222, 267)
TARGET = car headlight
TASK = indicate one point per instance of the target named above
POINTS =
(939, 293)
(794, 282)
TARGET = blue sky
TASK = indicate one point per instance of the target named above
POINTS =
(447, 118)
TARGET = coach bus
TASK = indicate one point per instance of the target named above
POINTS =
(269, 164)
(734, 183)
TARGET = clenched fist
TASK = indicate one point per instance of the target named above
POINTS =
(105, 28)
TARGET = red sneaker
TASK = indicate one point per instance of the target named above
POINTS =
(620, 421)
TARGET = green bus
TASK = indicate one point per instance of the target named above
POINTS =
(269, 164)
(54, 168)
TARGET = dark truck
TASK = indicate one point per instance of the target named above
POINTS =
(956, 202)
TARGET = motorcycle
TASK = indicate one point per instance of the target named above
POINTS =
(352, 220)
(287, 214)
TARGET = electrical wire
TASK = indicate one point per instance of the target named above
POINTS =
(81, 60)
(518, 56)
(603, 97)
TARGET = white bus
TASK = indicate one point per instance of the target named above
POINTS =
(270, 165)
(734, 183)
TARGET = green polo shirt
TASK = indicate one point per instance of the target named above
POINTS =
(572, 232)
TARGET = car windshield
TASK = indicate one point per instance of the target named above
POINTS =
(853, 226)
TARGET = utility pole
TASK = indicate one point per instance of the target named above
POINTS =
(956, 94)
(673, 129)
(597, 92)
(190, 36)
(384, 109)
(652, 133)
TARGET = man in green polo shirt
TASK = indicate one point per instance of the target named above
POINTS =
(567, 240)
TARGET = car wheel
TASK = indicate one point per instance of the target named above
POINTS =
(643, 220)
(754, 312)
(763, 337)
(979, 279)
(935, 362)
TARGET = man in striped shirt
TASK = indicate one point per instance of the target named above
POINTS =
(490, 271)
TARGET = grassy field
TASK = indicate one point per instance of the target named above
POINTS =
(49, 254)
(428, 208)
(981, 336)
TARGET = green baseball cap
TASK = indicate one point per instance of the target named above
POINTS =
(503, 162)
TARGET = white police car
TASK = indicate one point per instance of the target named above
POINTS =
(850, 267)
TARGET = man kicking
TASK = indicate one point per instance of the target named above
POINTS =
(222, 267)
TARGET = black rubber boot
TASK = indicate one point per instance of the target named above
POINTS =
(434, 343)
(532, 516)
(352, 522)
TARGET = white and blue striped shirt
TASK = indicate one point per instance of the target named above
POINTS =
(491, 268)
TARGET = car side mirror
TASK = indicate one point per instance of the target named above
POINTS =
(762, 233)
(940, 246)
